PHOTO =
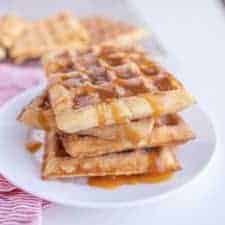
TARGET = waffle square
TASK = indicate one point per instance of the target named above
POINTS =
(109, 84)
(58, 164)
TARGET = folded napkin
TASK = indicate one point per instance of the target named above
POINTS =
(16, 206)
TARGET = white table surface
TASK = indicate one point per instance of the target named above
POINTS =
(194, 32)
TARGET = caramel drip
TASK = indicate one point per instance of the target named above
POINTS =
(88, 89)
(118, 118)
(131, 134)
(101, 114)
(33, 146)
(85, 90)
(112, 182)
(153, 105)
(153, 159)
(42, 120)
(104, 93)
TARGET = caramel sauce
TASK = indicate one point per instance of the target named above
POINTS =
(101, 114)
(135, 86)
(33, 146)
(106, 93)
(153, 105)
(42, 120)
(112, 182)
(103, 93)
(116, 114)
(86, 89)
(132, 135)
(153, 161)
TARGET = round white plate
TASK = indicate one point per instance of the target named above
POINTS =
(23, 169)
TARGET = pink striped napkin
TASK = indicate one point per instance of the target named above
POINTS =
(16, 206)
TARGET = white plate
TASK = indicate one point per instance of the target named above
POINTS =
(23, 170)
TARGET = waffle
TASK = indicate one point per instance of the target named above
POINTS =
(57, 164)
(109, 85)
(11, 27)
(105, 30)
(167, 130)
(58, 31)
(38, 114)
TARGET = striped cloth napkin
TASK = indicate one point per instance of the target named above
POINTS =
(16, 206)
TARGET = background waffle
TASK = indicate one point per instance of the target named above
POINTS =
(110, 84)
(102, 30)
(59, 31)
(11, 27)
(58, 164)
(167, 130)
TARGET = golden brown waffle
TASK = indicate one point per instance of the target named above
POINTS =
(11, 27)
(38, 114)
(109, 85)
(102, 29)
(57, 164)
(166, 131)
(59, 31)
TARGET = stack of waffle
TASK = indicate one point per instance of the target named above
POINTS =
(22, 40)
(108, 110)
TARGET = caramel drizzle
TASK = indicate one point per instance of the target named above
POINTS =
(42, 120)
(112, 182)
(153, 161)
(33, 146)
(132, 135)
(153, 105)
(101, 114)
(118, 118)
(153, 176)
